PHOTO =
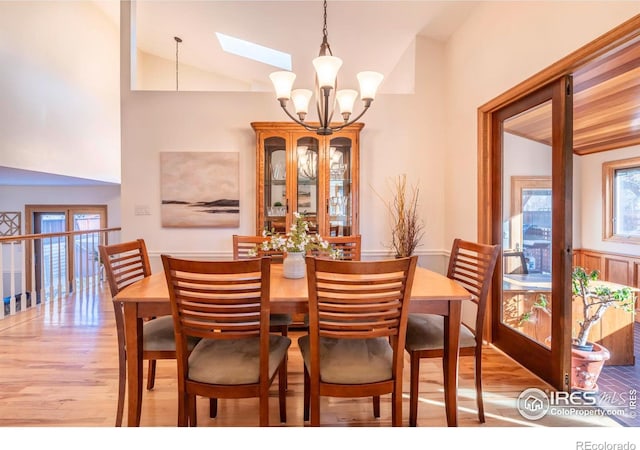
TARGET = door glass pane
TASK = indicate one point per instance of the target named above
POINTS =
(340, 199)
(53, 255)
(86, 245)
(307, 185)
(527, 219)
(275, 179)
(536, 229)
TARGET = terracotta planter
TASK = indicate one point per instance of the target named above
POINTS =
(586, 366)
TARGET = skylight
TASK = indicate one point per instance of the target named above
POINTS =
(253, 51)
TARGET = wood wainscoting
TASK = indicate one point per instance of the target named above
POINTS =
(615, 331)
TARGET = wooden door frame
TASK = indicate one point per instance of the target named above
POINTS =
(68, 211)
(486, 173)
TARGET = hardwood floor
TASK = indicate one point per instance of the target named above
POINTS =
(58, 368)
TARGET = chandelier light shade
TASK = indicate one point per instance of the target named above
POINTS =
(327, 96)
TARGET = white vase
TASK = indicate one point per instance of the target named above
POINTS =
(294, 265)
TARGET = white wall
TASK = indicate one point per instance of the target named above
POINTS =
(159, 74)
(60, 110)
(590, 167)
(500, 45)
(14, 198)
(403, 134)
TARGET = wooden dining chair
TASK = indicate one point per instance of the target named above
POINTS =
(357, 323)
(348, 246)
(124, 264)
(472, 265)
(225, 304)
(241, 247)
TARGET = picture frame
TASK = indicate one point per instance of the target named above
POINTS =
(200, 189)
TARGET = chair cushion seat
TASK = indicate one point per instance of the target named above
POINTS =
(426, 332)
(351, 361)
(234, 361)
(278, 320)
(158, 335)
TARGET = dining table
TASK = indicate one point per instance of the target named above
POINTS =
(431, 293)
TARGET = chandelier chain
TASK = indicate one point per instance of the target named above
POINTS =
(324, 28)
(178, 40)
(328, 98)
(325, 47)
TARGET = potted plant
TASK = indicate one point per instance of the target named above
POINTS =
(407, 229)
(588, 358)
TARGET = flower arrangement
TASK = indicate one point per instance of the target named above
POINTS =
(297, 240)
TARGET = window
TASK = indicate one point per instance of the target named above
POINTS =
(621, 181)
(530, 221)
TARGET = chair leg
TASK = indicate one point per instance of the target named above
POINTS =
(282, 390)
(396, 404)
(151, 374)
(478, 377)
(122, 361)
(413, 389)
(376, 406)
(264, 409)
(306, 394)
(182, 409)
(193, 416)
(213, 408)
(314, 409)
(122, 384)
(284, 330)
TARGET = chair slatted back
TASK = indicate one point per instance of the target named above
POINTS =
(124, 263)
(242, 245)
(218, 299)
(472, 265)
(358, 300)
(349, 246)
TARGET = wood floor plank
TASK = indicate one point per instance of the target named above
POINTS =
(58, 368)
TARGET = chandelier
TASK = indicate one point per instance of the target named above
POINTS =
(326, 92)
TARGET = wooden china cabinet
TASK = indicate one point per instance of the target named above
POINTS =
(298, 170)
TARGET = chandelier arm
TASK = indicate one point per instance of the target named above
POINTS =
(326, 92)
(324, 108)
(307, 127)
(346, 124)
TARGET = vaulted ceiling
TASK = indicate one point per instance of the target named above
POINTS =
(367, 35)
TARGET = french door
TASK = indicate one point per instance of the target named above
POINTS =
(63, 257)
(531, 209)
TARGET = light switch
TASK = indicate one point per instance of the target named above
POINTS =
(142, 210)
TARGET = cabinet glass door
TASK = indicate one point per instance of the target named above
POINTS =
(306, 154)
(340, 187)
(275, 184)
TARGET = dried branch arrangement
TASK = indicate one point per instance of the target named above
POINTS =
(407, 229)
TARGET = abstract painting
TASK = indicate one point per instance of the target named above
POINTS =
(200, 189)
